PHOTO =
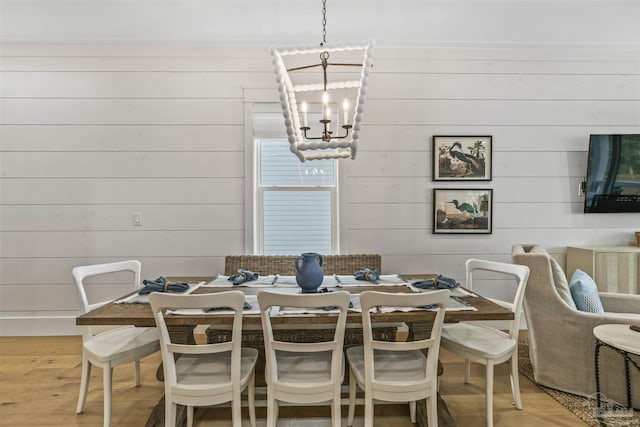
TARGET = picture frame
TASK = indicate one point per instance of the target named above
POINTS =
(462, 211)
(462, 158)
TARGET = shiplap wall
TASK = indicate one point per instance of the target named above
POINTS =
(91, 133)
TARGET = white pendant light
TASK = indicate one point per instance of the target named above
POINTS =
(318, 115)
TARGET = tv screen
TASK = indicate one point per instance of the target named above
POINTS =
(613, 174)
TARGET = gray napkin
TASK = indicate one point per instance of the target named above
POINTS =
(243, 276)
(367, 274)
(162, 285)
(440, 282)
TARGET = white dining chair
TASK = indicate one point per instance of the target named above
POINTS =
(486, 345)
(205, 374)
(304, 372)
(113, 347)
(397, 371)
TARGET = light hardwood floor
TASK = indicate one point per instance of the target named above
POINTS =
(40, 378)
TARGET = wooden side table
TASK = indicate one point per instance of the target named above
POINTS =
(624, 341)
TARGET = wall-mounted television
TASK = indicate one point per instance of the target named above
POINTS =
(613, 174)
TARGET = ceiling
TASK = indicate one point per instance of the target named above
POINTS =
(391, 22)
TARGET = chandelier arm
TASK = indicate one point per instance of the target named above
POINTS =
(344, 65)
(327, 135)
(305, 67)
(320, 65)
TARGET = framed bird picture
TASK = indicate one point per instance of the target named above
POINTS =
(462, 211)
(462, 158)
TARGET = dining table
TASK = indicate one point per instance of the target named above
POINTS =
(467, 306)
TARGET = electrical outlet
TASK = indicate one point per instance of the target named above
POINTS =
(137, 219)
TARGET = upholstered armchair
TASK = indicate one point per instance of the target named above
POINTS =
(561, 340)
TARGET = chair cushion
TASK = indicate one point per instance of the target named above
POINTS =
(585, 292)
(623, 316)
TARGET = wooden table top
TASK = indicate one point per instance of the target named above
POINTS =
(140, 314)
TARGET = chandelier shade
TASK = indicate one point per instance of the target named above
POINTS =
(323, 110)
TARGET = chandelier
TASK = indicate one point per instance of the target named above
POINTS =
(320, 120)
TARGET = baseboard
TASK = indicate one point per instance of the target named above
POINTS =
(38, 326)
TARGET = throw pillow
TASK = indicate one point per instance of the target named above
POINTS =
(585, 292)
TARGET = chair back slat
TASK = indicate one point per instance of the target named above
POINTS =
(520, 274)
(370, 301)
(83, 272)
(160, 302)
(269, 299)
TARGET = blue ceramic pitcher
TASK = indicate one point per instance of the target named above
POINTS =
(309, 272)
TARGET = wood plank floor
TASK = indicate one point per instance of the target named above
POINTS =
(40, 378)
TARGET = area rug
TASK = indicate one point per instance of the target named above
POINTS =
(582, 407)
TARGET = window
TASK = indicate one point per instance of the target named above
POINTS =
(296, 203)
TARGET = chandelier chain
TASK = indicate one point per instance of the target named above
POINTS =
(324, 23)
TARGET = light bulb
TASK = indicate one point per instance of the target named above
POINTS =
(325, 98)
(345, 108)
(304, 109)
(327, 113)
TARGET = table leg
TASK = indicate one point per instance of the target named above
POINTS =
(627, 363)
(598, 401)
(628, 379)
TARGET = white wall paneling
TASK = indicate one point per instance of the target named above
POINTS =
(129, 164)
(119, 138)
(39, 191)
(92, 132)
(133, 111)
(223, 216)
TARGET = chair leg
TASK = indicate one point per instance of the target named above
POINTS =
(137, 372)
(368, 410)
(107, 374)
(489, 394)
(432, 410)
(515, 380)
(236, 408)
(352, 399)
(251, 392)
(84, 384)
(190, 410)
(412, 411)
(467, 370)
(336, 409)
(272, 407)
(170, 410)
